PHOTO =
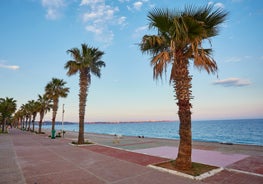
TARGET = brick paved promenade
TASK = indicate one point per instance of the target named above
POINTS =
(36, 159)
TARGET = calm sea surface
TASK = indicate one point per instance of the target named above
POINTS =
(224, 131)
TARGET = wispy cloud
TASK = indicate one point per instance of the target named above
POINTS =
(99, 17)
(139, 31)
(219, 5)
(216, 5)
(137, 5)
(53, 8)
(10, 67)
(233, 59)
(232, 82)
(246, 58)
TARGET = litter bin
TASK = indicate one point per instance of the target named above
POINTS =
(53, 134)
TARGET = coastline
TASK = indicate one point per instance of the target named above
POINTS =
(245, 132)
(154, 121)
(133, 142)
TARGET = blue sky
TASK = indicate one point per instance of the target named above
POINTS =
(35, 35)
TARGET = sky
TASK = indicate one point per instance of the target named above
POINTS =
(35, 35)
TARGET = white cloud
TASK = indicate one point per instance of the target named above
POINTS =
(99, 17)
(53, 8)
(233, 82)
(137, 5)
(242, 58)
(219, 5)
(11, 67)
(89, 2)
(233, 59)
(122, 20)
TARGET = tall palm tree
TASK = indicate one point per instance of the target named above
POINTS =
(32, 111)
(7, 108)
(18, 118)
(86, 61)
(179, 41)
(55, 89)
(44, 106)
(24, 113)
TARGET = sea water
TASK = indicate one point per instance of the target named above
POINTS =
(248, 131)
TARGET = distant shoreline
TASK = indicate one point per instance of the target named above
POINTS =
(115, 122)
(147, 121)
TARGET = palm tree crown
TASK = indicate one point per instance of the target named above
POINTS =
(7, 108)
(87, 60)
(180, 36)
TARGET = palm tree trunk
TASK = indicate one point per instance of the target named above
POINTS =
(33, 121)
(29, 123)
(40, 122)
(54, 114)
(83, 82)
(26, 123)
(3, 125)
(33, 124)
(182, 86)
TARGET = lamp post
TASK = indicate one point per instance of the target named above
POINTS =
(63, 121)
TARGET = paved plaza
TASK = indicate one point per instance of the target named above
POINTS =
(30, 158)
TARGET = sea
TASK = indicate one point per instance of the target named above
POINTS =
(238, 131)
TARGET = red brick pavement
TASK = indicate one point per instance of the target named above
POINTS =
(250, 164)
(133, 157)
(230, 177)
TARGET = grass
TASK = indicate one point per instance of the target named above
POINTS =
(196, 170)
(3, 132)
(86, 142)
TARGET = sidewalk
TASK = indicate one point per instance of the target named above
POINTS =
(37, 159)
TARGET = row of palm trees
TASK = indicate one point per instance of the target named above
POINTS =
(179, 40)
(86, 61)
(7, 108)
(27, 113)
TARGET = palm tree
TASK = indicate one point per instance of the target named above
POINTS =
(18, 118)
(7, 108)
(85, 61)
(179, 41)
(32, 112)
(55, 89)
(24, 115)
(44, 107)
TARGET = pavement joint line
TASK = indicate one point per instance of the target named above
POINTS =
(125, 161)
(243, 172)
(79, 167)
(17, 163)
(51, 173)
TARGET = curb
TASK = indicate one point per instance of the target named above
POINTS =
(200, 177)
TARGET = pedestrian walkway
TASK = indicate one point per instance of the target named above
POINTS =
(36, 159)
(209, 157)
